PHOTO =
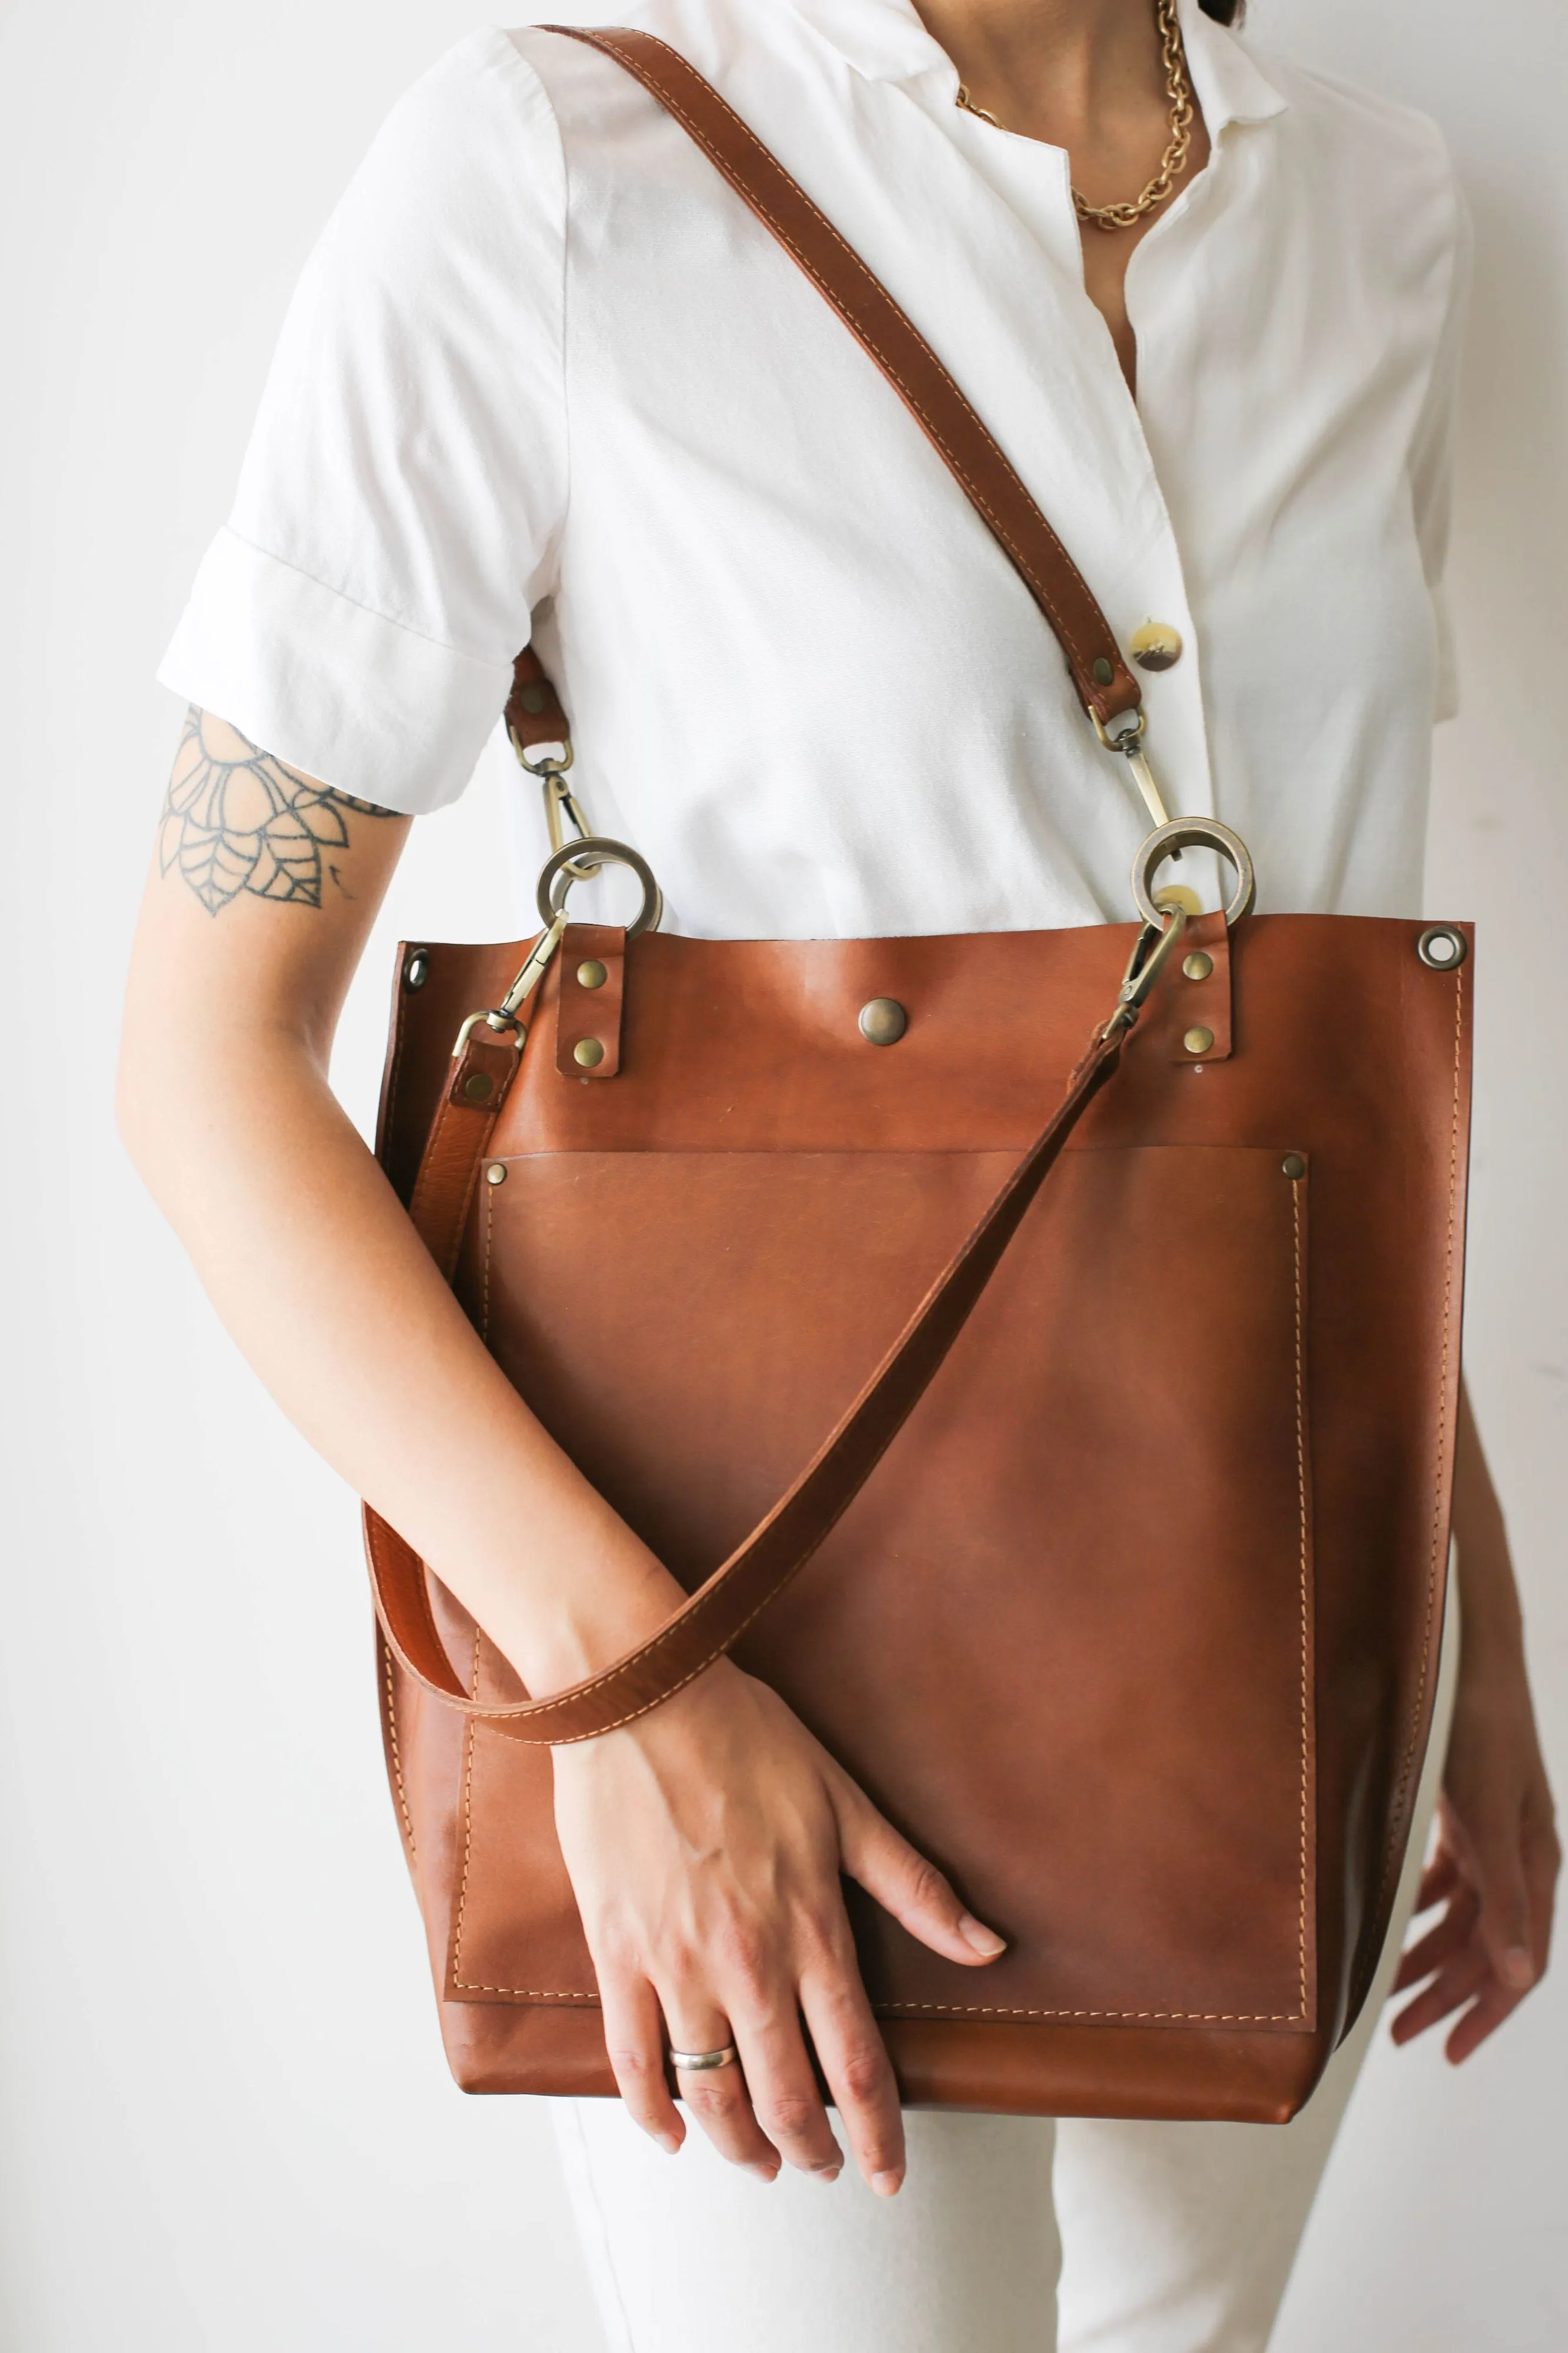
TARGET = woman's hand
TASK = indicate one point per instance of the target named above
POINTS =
(705, 1842)
(1494, 1869)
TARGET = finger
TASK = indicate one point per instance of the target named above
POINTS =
(1485, 2015)
(1542, 1863)
(1452, 1986)
(1447, 1937)
(1505, 1923)
(718, 2097)
(904, 1883)
(634, 2036)
(786, 2099)
(853, 2060)
(1440, 1878)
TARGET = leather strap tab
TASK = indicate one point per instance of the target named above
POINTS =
(1199, 1001)
(588, 1009)
(533, 711)
(994, 488)
(718, 1612)
(482, 1076)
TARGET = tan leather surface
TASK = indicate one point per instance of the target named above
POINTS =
(789, 1528)
(1060, 1633)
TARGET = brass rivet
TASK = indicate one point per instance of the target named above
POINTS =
(478, 1086)
(1104, 672)
(416, 971)
(589, 1052)
(883, 1021)
(592, 975)
(1156, 646)
(496, 1173)
(533, 699)
(1198, 1040)
(1198, 965)
(1293, 1165)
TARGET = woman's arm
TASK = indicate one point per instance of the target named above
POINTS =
(1494, 1869)
(706, 1841)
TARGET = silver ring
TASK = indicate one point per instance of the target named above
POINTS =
(1193, 833)
(698, 2062)
(575, 860)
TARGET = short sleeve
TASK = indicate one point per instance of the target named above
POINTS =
(400, 504)
(1432, 457)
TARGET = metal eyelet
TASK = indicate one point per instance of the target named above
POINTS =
(1441, 948)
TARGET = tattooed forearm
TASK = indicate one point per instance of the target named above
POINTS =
(237, 819)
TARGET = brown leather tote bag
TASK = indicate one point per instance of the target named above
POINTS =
(1038, 1356)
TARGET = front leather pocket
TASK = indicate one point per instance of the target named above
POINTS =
(1064, 1635)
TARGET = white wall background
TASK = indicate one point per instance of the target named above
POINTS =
(224, 2122)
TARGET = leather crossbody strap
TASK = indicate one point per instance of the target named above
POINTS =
(718, 1612)
(988, 479)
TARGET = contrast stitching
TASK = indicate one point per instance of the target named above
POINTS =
(879, 295)
(1408, 1761)
(397, 1757)
(467, 1984)
(528, 1994)
(1194, 2016)
(467, 1831)
(1306, 1644)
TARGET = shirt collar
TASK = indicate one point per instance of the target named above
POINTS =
(886, 41)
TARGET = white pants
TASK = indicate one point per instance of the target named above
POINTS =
(1011, 2234)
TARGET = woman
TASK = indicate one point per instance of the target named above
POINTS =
(544, 378)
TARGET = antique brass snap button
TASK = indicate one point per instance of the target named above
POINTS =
(1198, 965)
(592, 975)
(1156, 646)
(496, 1173)
(883, 1021)
(588, 1052)
(1198, 1040)
(1293, 1165)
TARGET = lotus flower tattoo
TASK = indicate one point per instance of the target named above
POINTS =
(235, 818)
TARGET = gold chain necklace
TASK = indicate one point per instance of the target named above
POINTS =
(1179, 90)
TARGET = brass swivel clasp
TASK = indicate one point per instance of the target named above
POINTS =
(1151, 950)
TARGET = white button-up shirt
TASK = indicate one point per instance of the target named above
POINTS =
(545, 373)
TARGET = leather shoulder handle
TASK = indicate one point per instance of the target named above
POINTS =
(983, 470)
(718, 1612)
